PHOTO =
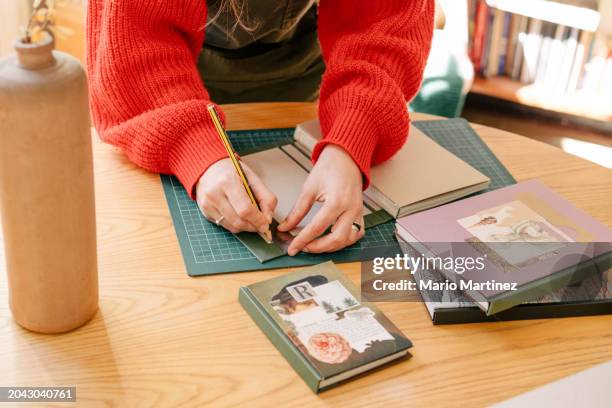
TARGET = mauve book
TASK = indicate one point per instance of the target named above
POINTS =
(524, 240)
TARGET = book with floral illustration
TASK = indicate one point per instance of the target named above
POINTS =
(527, 242)
(315, 318)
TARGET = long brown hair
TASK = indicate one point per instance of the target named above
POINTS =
(238, 9)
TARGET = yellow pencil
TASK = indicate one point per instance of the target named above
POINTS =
(267, 236)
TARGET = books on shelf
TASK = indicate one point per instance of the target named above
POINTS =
(550, 44)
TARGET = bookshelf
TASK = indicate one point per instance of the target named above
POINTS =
(585, 106)
(542, 54)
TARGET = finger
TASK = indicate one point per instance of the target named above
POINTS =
(216, 208)
(243, 206)
(300, 209)
(231, 220)
(343, 234)
(206, 200)
(209, 211)
(266, 199)
(326, 216)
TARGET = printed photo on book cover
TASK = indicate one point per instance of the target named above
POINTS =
(327, 322)
(513, 232)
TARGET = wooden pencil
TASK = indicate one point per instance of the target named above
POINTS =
(267, 236)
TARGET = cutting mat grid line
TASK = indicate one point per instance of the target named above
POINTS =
(208, 248)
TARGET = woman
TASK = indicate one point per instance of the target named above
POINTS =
(154, 66)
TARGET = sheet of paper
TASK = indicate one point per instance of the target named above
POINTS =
(284, 177)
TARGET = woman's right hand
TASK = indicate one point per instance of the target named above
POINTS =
(224, 201)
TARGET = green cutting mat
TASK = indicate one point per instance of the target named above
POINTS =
(208, 249)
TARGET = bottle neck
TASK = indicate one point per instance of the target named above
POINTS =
(36, 55)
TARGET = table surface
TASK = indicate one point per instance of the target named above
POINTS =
(162, 338)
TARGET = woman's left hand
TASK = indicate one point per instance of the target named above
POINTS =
(336, 181)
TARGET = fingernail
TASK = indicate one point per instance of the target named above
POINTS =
(263, 228)
(305, 250)
(291, 252)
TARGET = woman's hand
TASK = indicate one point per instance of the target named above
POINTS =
(224, 201)
(336, 181)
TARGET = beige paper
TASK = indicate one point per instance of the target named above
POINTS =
(284, 177)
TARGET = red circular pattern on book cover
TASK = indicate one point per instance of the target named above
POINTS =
(329, 348)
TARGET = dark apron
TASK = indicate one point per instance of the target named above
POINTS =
(278, 59)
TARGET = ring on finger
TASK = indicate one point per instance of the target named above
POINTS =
(356, 227)
(219, 220)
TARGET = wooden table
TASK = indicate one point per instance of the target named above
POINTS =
(162, 338)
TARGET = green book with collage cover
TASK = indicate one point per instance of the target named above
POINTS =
(315, 318)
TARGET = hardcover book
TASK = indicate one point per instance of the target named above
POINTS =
(591, 296)
(529, 240)
(315, 318)
(398, 185)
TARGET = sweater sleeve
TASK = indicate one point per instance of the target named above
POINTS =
(375, 53)
(147, 97)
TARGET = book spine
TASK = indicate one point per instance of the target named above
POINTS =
(569, 53)
(493, 42)
(531, 49)
(473, 314)
(511, 45)
(557, 280)
(471, 22)
(279, 339)
(503, 46)
(543, 55)
(555, 61)
(480, 28)
(519, 51)
(578, 65)
(595, 68)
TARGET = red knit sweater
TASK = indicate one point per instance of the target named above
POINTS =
(148, 99)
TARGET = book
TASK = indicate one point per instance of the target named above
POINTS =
(529, 241)
(480, 29)
(457, 136)
(471, 14)
(398, 185)
(497, 43)
(555, 58)
(284, 169)
(513, 35)
(582, 49)
(315, 318)
(547, 33)
(591, 296)
(503, 47)
(531, 49)
(517, 59)
(567, 60)
(488, 41)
